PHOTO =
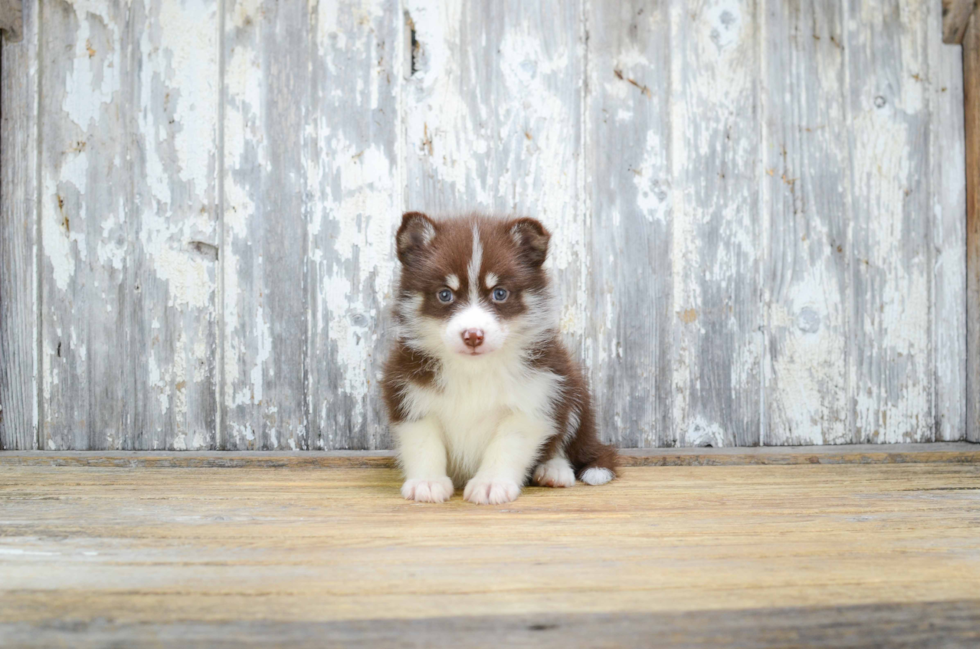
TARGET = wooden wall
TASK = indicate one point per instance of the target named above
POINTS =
(758, 207)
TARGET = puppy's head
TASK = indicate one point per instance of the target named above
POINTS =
(471, 286)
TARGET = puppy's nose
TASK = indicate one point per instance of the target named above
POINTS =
(473, 337)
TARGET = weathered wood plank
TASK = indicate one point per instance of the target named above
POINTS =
(931, 453)
(947, 199)
(176, 200)
(891, 362)
(628, 176)
(956, 16)
(492, 113)
(971, 94)
(354, 203)
(18, 237)
(715, 133)
(702, 314)
(265, 285)
(12, 19)
(129, 177)
(806, 162)
(949, 624)
(102, 548)
(88, 278)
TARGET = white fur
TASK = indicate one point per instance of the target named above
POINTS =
(490, 490)
(473, 270)
(597, 476)
(488, 418)
(422, 454)
(491, 280)
(452, 282)
(428, 491)
(556, 472)
(474, 316)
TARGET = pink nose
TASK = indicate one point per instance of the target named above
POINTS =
(473, 337)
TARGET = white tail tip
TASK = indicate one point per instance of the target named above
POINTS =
(597, 476)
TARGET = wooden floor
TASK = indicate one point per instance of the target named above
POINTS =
(842, 555)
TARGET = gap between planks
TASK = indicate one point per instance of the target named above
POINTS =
(942, 453)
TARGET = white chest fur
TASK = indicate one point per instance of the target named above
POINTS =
(473, 396)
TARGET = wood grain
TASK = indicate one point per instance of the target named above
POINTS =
(355, 200)
(971, 95)
(128, 168)
(948, 181)
(12, 19)
(757, 211)
(805, 184)
(88, 299)
(267, 114)
(952, 625)
(99, 550)
(717, 343)
(18, 238)
(931, 453)
(956, 17)
(891, 355)
(630, 241)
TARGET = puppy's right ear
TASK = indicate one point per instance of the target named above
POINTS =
(414, 236)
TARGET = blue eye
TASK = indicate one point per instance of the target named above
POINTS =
(445, 296)
(500, 294)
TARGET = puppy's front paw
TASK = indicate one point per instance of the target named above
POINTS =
(556, 472)
(491, 491)
(428, 491)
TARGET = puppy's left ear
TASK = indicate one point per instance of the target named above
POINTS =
(532, 240)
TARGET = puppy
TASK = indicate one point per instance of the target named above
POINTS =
(480, 390)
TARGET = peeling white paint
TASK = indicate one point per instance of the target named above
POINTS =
(94, 76)
(496, 118)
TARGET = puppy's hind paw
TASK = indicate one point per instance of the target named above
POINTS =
(428, 491)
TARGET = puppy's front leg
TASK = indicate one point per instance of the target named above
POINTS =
(507, 460)
(422, 454)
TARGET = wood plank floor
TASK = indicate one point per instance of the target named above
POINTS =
(754, 556)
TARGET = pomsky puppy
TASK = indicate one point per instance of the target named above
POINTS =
(480, 390)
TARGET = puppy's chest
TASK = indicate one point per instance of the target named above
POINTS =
(473, 402)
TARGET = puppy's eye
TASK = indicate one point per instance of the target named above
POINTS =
(445, 296)
(500, 294)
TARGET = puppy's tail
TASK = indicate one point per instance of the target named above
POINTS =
(598, 463)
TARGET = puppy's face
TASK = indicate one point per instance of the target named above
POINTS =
(471, 286)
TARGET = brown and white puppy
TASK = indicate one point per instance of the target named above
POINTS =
(479, 388)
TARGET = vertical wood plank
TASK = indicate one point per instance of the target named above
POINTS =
(354, 203)
(715, 131)
(971, 93)
(628, 178)
(493, 122)
(267, 115)
(175, 183)
(947, 202)
(805, 181)
(128, 178)
(18, 230)
(891, 364)
(87, 228)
